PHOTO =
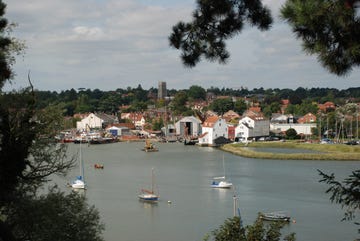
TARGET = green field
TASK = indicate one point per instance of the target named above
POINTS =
(321, 151)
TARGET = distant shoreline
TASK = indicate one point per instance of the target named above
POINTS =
(322, 151)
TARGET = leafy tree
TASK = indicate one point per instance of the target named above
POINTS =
(328, 29)
(240, 106)
(140, 94)
(222, 105)
(291, 134)
(29, 155)
(83, 104)
(178, 104)
(54, 216)
(213, 23)
(196, 92)
(274, 107)
(109, 103)
(345, 193)
(232, 230)
(157, 124)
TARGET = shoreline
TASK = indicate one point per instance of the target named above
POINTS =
(338, 152)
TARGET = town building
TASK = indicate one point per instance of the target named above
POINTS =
(252, 127)
(96, 121)
(188, 126)
(213, 128)
(162, 92)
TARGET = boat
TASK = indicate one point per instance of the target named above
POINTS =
(79, 183)
(149, 147)
(275, 216)
(221, 182)
(149, 195)
(190, 142)
(98, 166)
(102, 140)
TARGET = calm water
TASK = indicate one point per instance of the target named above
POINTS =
(183, 176)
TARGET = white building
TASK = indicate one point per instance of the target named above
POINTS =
(95, 121)
(251, 127)
(301, 129)
(213, 128)
(136, 118)
(90, 122)
(118, 131)
(188, 126)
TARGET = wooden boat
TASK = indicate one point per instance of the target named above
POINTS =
(275, 216)
(98, 166)
(149, 147)
(149, 195)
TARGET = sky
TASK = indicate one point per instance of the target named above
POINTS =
(111, 44)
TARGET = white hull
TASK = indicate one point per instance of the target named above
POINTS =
(78, 184)
(221, 184)
(148, 197)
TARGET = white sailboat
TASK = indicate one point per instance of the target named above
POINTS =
(221, 182)
(80, 183)
(149, 195)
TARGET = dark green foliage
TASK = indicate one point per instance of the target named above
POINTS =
(328, 29)
(222, 105)
(240, 106)
(214, 22)
(345, 193)
(55, 216)
(231, 230)
(178, 105)
(17, 132)
(196, 92)
(109, 101)
(5, 42)
(291, 134)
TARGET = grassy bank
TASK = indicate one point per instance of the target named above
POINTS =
(322, 151)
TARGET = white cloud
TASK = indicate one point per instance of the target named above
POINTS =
(110, 44)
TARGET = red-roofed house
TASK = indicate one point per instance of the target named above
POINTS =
(136, 118)
(308, 118)
(213, 128)
(327, 106)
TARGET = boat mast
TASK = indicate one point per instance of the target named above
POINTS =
(81, 164)
(152, 180)
(224, 167)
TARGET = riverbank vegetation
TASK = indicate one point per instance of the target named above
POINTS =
(319, 151)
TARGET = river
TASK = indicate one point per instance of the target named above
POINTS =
(189, 208)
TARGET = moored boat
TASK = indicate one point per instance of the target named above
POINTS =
(149, 195)
(149, 147)
(275, 216)
(221, 182)
(79, 182)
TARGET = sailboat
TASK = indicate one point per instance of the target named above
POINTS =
(149, 195)
(221, 182)
(79, 183)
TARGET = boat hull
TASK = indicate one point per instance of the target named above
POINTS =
(78, 184)
(275, 217)
(221, 184)
(148, 197)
